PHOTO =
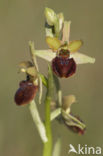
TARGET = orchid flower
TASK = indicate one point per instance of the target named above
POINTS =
(54, 43)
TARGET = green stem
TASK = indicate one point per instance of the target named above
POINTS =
(48, 145)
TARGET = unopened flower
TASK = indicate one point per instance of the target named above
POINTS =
(51, 16)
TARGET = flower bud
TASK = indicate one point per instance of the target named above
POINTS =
(51, 16)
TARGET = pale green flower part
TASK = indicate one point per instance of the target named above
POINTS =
(53, 19)
(66, 31)
(82, 58)
(61, 20)
(55, 114)
(51, 16)
(67, 101)
(79, 58)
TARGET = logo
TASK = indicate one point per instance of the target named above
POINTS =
(85, 150)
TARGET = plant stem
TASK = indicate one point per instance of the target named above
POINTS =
(48, 145)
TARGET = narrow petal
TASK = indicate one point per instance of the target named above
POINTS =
(75, 45)
(82, 59)
(66, 31)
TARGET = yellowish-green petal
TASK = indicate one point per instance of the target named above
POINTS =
(53, 43)
(75, 45)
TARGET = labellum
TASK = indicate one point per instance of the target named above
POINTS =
(26, 92)
(62, 65)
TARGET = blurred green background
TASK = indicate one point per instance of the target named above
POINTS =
(23, 20)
